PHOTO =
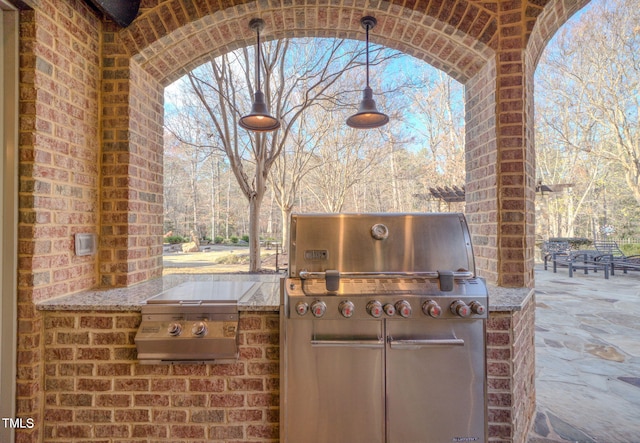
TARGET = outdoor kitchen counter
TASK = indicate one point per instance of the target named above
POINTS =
(265, 298)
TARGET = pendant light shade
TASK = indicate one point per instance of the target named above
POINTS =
(368, 116)
(259, 119)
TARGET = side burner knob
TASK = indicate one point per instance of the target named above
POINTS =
(374, 308)
(346, 308)
(174, 329)
(460, 308)
(404, 308)
(432, 309)
(477, 308)
(199, 329)
(318, 308)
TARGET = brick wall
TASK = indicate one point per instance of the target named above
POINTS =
(511, 373)
(58, 184)
(59, 120)
(95, 391)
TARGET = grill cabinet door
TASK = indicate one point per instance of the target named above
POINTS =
(436, 381)
(334, 382)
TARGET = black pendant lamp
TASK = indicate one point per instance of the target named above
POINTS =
(368, 115)
(259, 119)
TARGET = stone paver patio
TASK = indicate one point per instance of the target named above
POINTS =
(587, 357)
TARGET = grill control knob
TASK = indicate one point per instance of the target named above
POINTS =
(477, 308)
(460, 308)
(199, 329)
(318, 308)
(346, 308)
(374, 308)
(174, 329)
(389, 309)
(404, 308)
(302, 308)
(432, 309)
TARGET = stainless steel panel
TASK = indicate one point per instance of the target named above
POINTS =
(155, 345)
(380, 243)
(205, 292)
(436, 386)
(332, 386)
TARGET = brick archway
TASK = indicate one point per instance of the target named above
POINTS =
(490, 46)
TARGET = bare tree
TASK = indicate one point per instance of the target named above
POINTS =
(595, 70)
(297, 76)
(587, 121)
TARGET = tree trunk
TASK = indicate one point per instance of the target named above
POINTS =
(255, 263)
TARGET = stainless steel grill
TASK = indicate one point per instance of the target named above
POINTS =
(193, 322)
(382, 331)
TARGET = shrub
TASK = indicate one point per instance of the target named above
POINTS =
(218, 240)
(245, 238)
(574, 242)
(233, 259)
(234, 239)
(175, 239)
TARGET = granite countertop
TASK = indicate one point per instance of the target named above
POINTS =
(508, 299)
(264, 297)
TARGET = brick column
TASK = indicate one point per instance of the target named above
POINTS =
(132, 150)
(500, 160)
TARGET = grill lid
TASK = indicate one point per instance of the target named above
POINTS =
(428, 245)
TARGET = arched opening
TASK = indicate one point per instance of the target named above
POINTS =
(157, 64)
(586, 109)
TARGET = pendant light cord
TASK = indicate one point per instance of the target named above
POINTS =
(258, 59)
(367, 40)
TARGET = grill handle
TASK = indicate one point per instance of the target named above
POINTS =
(426, 274)
(373, 343)
(425, 343)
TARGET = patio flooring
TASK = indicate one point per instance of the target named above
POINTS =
(587, 357)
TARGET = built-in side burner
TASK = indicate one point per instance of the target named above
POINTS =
(193, 322)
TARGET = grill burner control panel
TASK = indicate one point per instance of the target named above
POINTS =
(375, 299)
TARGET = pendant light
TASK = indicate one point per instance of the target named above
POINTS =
(259, 119)
(368, 115)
